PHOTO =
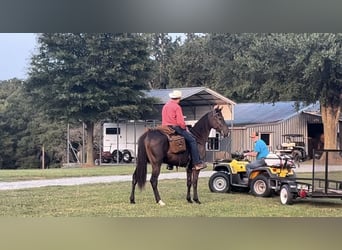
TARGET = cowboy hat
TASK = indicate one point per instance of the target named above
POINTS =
(176, 94)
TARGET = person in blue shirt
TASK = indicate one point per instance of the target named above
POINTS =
(260, 152)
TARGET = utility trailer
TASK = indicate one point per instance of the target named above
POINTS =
(326, 182)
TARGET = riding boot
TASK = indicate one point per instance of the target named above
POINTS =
(200, 166)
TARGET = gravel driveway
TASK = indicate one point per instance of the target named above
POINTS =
(121, 178)
(87, 180)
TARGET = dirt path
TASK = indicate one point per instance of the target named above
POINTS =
(304, 167)
(87, 180)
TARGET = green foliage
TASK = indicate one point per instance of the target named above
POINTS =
(190, 66)
(24, 130)
(318, 65)
(85, 76)
(161, 49)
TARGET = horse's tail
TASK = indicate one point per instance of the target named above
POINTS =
(141, 164)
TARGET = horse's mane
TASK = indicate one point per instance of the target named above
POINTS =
(199, 130)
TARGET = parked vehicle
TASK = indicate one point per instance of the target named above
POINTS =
(231, 175)
(320, 185)
(293, 146)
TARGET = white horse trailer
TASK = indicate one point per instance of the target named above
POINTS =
(121, 139)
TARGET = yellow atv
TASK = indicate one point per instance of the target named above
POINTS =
(230, 175)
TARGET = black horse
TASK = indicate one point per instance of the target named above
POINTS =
(153, 148)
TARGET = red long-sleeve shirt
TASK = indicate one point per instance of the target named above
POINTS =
(172, 114)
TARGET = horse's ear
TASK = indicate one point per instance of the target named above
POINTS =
(217, 108)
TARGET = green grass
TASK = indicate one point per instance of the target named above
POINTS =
(112, 200)
(35, 174)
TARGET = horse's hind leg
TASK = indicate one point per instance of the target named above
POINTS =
(134, 183)
(154, 183)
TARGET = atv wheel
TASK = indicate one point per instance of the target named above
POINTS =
(286, 197)
(219, 183)
(260, 186)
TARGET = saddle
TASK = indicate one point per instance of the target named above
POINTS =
(177, 142)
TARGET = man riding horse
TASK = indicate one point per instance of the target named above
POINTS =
(154, 147)
(172, 116)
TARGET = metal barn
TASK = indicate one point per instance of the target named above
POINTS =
(272, 121)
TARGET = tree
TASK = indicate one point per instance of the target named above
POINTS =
(190, 66)
(24, 130)
(229, 71)
(162, 49)
(319, 67)
(89, 77)
(302, 67)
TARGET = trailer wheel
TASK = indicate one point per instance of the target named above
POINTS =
(286, 197)
(115, 156)
(260, 186)
(219, 183)
(127, 156)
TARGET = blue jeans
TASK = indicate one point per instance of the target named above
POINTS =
(254, 164)
(191, 142)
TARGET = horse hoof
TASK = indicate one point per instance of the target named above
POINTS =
(161, 203)
(189, 200)
(197, 201)
(132, 202)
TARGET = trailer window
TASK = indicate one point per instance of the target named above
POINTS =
(213, 143)
(113, 131)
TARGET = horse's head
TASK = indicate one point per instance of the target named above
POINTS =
(218, 122)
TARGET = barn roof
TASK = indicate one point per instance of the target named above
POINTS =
(260, 113)
(195, 96)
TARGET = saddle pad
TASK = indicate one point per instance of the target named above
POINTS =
(177, 144)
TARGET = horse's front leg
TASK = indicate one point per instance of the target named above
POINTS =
(154, 184)
(195, 174)
(188, 184)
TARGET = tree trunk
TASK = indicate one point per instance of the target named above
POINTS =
(90, 146)
(330, 118)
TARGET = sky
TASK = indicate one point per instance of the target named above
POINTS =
(15, 53)
(16, 50)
